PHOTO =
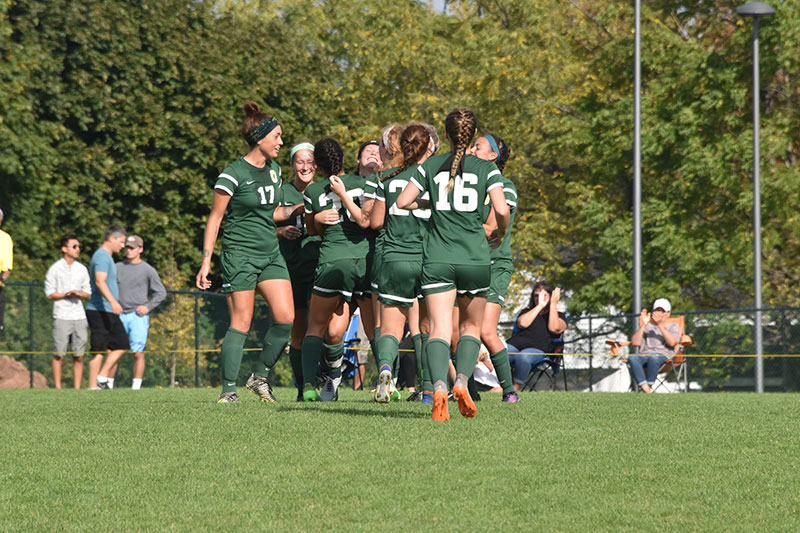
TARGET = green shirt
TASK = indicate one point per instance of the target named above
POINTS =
(255, 193)
(510, 192)
(404, 229)
(345, 240)
(303, 251)
(375, 237)
(455, 233)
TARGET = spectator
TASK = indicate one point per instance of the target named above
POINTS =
(103, 310)
(140, 291)
(6, 265)
(67, 283)
(535, 328)
(657, 341)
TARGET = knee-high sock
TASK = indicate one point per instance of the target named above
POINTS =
(467, 355)
(296, 360)
(333, 358)
(427, 384)
(373, 344)
(417, 340)
(274, 343)
(312, 352)
(387, 350)
(438, 359)
(232, 346)
(503, 368)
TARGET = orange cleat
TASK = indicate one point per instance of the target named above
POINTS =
(440, 411)
(465, 404)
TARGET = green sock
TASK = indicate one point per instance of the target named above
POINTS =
(296, 360)
(427, 384)
(417, 340)
(387, 350)
(312, 351)
(503, 368)
(438, 358)
(333, 358)
(274, 343)
(232, 347)
(373, 344)
(467, 351)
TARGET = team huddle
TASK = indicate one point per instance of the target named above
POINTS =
(413, 238)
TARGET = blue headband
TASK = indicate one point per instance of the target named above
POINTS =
(493, 144)
(261, 131)
(302, 146)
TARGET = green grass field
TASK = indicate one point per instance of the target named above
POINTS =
(173, 459)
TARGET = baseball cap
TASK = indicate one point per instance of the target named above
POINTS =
(134, 241)
(663, 303)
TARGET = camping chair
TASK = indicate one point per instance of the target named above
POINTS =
(676, 366)
(550, 367)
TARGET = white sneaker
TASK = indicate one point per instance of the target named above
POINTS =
(383, 394)
(330, 389)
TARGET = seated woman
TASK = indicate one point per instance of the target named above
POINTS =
(534, 331)
(657, 341)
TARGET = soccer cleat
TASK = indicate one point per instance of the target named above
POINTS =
(330, 389)
(465, 404)
(259, 386)
(415, 396)
(103, 385)
(395, 395)
(440, 411)
(427, 396)
(310, 393)
(511, 397)
(383, 393)
(228, 397)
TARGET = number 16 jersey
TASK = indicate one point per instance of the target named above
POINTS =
(455, 233)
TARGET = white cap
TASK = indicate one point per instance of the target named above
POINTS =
(663, 303)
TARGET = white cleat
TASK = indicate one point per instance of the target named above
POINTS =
(383, 394)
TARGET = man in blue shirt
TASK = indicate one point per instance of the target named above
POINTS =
(103, 310)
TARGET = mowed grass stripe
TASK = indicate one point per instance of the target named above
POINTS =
(173, 459)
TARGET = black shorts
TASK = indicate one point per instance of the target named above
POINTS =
(108, 333)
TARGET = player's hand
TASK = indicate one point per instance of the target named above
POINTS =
(142, 310)
(494, 239)
(290, 232)
(202, 282)
(116, 308)
(337, 186)
(329, 217)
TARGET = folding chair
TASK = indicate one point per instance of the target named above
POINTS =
(675, 366)
(550, 367)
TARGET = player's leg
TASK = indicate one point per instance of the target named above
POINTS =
(497, 351)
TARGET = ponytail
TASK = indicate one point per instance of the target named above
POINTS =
(460, 126)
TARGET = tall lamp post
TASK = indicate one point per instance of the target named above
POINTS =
(757, 10)
(637, 164)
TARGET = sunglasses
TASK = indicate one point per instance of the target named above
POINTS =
(76, 246)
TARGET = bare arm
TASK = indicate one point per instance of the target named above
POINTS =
(355, 211)
(502, 213)
(285, 212)
(555, 324)
(407, 198)
(644, 319)
(218, 206)
(102, 286)
(526, 319)
(378, 217)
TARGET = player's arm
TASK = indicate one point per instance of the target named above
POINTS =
(283, 213)
(218, 206)
(337, 186)
(378, 216)
(408, 198)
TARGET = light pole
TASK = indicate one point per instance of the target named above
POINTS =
(756, 10)
(637, 164)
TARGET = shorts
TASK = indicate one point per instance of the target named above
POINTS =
(302, 278)
(137, 327)
(373, 277)
(108, 333)
(344, 277)
(400, 283)
(469, 280)
(76, 330)
(242, 272)
(501, 271)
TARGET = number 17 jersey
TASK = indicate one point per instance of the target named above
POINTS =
(455, 234)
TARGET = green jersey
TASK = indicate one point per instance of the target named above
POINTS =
(345, 240)
(510, 192)
(305, 249)
(375, 237)
(455, 234)
(255, 193)
(404, 229)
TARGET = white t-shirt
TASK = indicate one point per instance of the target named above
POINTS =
(62, 278)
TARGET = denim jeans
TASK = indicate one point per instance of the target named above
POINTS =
(524, 361)
(637, 364)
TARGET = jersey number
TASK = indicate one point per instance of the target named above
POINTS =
(354, 194)
(263, 191)
(395, 188)
(465, 199)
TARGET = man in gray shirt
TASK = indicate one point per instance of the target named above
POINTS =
(140, 291)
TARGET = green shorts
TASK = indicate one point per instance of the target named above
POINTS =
(373, 267)
(344, 277)
(468, 280)
(400, 283)
(501, 279)
(242, 272)
(302, 277)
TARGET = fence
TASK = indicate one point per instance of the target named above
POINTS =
(188, 327)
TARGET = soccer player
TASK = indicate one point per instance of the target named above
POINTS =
(493, 148)
(399, 278)
(249, 191)
(456, 253)
(335, 204)
(301, 252)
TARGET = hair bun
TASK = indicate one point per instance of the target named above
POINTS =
(251, 108)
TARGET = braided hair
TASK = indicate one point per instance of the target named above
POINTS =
(503, 151)
(329, 157)
(460, 126)
(413, 143)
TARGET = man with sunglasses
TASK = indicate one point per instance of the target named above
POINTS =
(66, 284)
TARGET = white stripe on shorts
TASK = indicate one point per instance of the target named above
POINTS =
(332, 291)
(398, 298)
(436, 285)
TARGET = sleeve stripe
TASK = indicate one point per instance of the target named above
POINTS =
(370, 195)
(493, 185)
(421, 170)
(380, 199)
(371, 184)
(416, 184)
(306, 199)
(229, 177)
(223, 188)
(493, 172)
(308, 211)
(511, 203)
(511, 191)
